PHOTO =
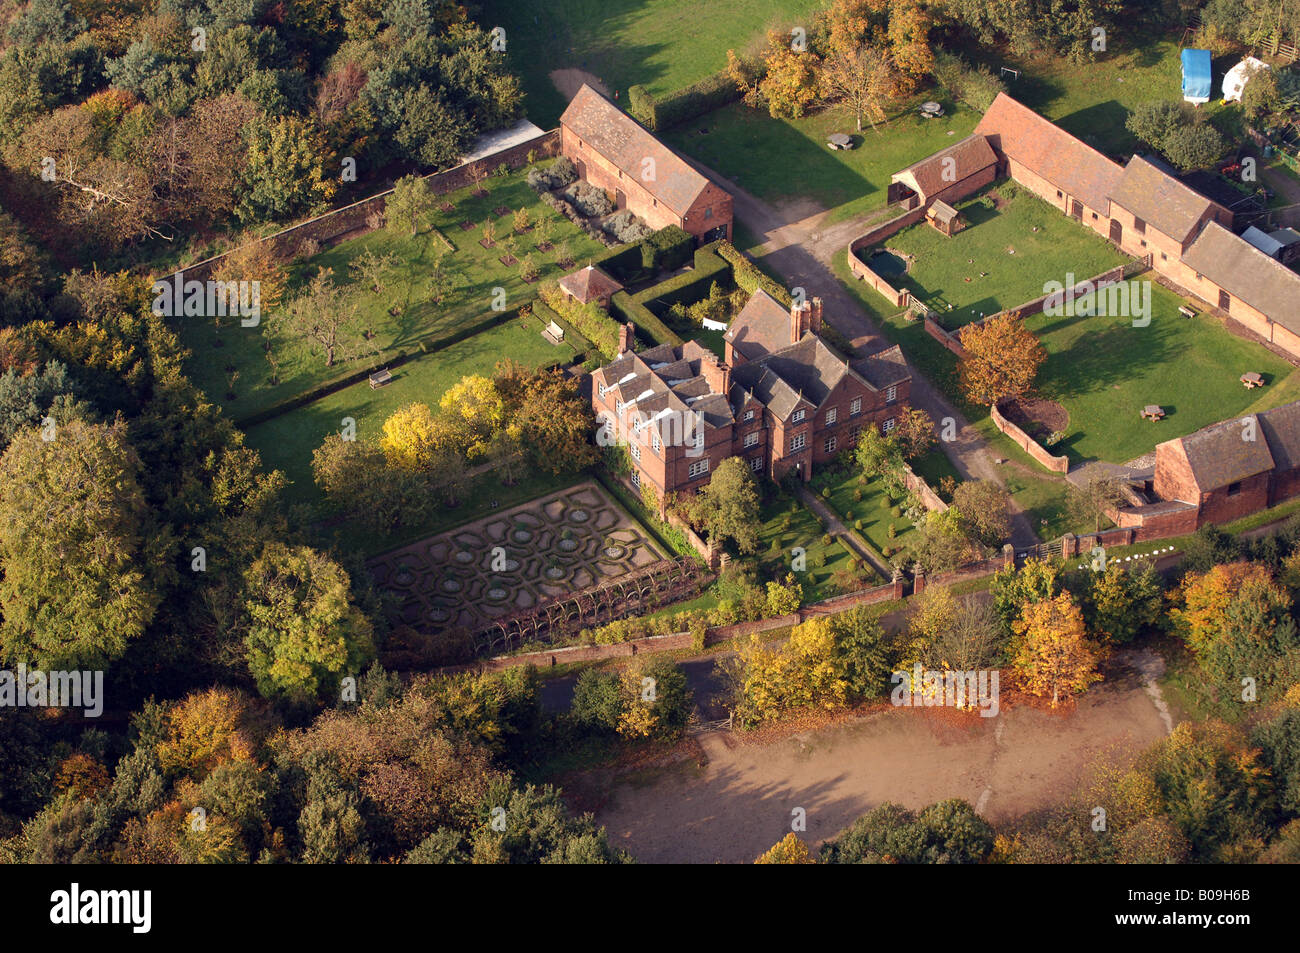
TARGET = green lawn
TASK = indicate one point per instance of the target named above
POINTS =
(789, 524)
(856, 501)
(477, 269)
(1104, 371)
(287, 442)
(661, 44)
(785, 159)
(1001, 259)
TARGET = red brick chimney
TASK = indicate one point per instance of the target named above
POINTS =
(626, 337)
(716, 374)
(799, 320)
(815, 324)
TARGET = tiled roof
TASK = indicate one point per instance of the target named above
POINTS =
(666, 378)
(1281, 427)
(617, 136)
(1246, 273)
(1160, 200)
(1217, 455)
(589, 284)
(1047, 150)
(884, 368)
(762, 326)
(971, 155)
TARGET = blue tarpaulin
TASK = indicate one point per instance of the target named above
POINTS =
(1197, 76)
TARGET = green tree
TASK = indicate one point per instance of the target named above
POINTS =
(77, 587)
(728, 507)
(304, 633)
(409, 203)
(285, 176)
(598, 701)
(947, 832)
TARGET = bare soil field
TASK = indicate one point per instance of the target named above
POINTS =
(739, 803)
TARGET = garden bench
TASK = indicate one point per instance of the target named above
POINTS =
(380, 378)
(1186, 312)
(553, 333)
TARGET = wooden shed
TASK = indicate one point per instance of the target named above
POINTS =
(945, 218)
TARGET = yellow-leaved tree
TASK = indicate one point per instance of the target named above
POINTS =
(1054, 657)
(411, 437)
(788, 850)
(475, 410)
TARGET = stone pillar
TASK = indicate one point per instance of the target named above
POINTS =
(1069, 546)
(897, 581)
(918, 582)
(1008, 556)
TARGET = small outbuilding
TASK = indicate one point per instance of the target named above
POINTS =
(1198, 76)
(1234, 83)
(945, 218)
(590, 284)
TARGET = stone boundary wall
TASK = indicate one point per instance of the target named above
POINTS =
(1028, 443)
(351, 220)
(948, 339)
(929, 498)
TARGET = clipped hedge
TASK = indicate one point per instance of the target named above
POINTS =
(626, 308)
(688, 287)
(746, 274)
(667, 249)
(590, 320)
(572, 335)
(622, 262)
(683, 104)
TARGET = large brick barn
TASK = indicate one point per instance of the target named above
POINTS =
(613, 152)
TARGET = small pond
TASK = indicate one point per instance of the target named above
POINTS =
(886, 264)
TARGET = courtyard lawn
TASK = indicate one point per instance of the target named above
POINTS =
(788, 524)
(975, 272)
(287, 442)
(419, 320)
(661, 44)
(785, 160)
(1103, 371)
(856, 501)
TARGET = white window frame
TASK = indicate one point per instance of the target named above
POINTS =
(855, 407)
(749, 415)
(636, 478)
(655, 445)
(888, 425)
(699, 468)
(798, 442)
(832, 415)
(756, 464)
(635, 449)
(891, 394)
(751, 440)
(796, 417)
(830, 444)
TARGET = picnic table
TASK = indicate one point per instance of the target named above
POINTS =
(838, 140)
(1153, 411)
(931, 110)
(1252, 379)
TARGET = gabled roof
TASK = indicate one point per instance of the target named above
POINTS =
(666, 378)
(589, 284)
(1045, 149)
(1246, 273)
(1160, 200)
(1281, 428)
(942, 212)
(969, 156)
(884, 368)
(620, 139)
(1217, 455)
(1265, 242)
(761, 327)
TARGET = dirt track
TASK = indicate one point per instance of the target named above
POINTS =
(740, 803)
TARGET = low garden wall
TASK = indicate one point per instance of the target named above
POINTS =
(929, 499)
(945, 337)
(1028, 443)
(878, 234)
(355, 218)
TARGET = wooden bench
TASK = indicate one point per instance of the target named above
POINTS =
(1186, 312)
(553, 333)
(380, 378)
(1252, 379)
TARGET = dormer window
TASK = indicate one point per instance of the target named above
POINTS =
(797, 417)
(749, 415)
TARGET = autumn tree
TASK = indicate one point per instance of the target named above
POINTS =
(1120, 603)
(1053, 657)
(555, 423)
(474, 412)
(285, 175)
(1002, 359)
(727, 508)
(914, 433)
(657, 702)
(877, 454)
(356, 477)
(984, 510)
(77, 589)
(864, 79)
(304, 633)
(412, 437)
(253, 260)
(1013, 587)
(788, 850)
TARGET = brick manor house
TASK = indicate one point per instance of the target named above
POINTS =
(781, 399)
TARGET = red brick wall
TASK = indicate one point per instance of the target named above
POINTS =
(1028, 444)
(1218, 507)
(1173, 478)
(1285, 485)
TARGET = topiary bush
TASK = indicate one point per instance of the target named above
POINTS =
(589, 200)
(626, 227)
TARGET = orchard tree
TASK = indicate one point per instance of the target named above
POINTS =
(77, 587)
(409, 203)
(326, 316)
(371, 269)
(1002, 359)
(304, 633)
(1053, 657)
(864, 79)
(727, 508)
